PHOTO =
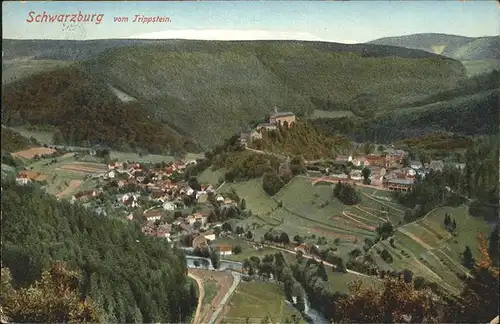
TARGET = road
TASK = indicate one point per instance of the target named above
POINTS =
(232, 289)
(201, 295)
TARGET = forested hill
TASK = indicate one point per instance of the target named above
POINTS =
(454, 46)
(132, 278)
(209, 90)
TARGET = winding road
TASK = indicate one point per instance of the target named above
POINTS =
(201, 295)
(232, 289)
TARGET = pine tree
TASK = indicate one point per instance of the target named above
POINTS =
(300, 304)
(454, 225)
(243, 204)
(447, 220)
(468, 259)
(322, 272)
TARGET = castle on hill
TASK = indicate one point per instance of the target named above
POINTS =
(277, 118)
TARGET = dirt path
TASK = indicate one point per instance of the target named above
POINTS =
(224, 281)
(201, 295)
(381, 202)
(369, 213)
(73, 184)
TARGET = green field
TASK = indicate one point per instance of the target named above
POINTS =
(44, 137)
(257, 300)
(434, 252)
(256, 198)
(210, 176)
(149, 158)
(246, 249)
(211, 290)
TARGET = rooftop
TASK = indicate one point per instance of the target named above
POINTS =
(401, 181)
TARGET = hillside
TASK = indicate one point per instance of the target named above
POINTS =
(12, 141)
(84, 110)
(200, 85)
(453, 46)
(133, 278)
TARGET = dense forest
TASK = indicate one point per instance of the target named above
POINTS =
(12, 141)
(470, 108)
(132, 278)
(301, 139)
(84, 110)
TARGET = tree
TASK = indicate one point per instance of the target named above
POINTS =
(366, 175)
(284, 238)
(298, 239)
(407, 275)
(53, 299)
(196, 263)
(215, 259)
(237, 249)
(300, 304)
(272, 183)
(249, 235)
(194, 184)
(447, 220)
(57, 137)
(467, 258)
(493, 245)
(227, 227)
(322, 272)
(243, 204)
(454, 225)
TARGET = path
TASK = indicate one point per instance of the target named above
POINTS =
(73, 184)
(201, 295)
(236, 282)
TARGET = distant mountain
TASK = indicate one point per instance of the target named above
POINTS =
(457, 47)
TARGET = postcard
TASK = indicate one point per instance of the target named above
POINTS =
(250, 161)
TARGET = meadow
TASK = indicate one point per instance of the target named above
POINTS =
(433, 252)
(210, 176)
(149, 158)
(254, 300)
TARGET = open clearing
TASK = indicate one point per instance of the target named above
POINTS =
(222, 280)
(32, 152)
(255, 197)
(254, 301)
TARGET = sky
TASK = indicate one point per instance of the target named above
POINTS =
(337, 21)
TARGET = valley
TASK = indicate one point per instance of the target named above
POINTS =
(254, 181)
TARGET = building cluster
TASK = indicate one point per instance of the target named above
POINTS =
(276, 119)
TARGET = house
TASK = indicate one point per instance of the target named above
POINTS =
(266, 126)
(190, 220)
(153, 215)
(344, 158)
(111, 174)
(377, 169)
(209, 235)
(416, 165)
(360, 161)
(224, 249)
(228, 202)
(436, 165)
(22, 180)
(376, 179)
(200, 242)
(375, 160)
(219, 198)
(400, 184)
(356, 175)
(31, 175)
(202, 198)
(281, 118)
(199, 217)
(169, 205)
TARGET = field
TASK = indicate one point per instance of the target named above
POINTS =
(84, 167)
(246, 250)
(257, 300)
(148, 158)
(210, 176)
(66, 176)
(256, 198)
(32, 152)
(431, 251)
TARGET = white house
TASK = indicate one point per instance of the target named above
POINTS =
(356, 175)
(210, 237)
(190, 192)
(153, 217)
(416, 165)
(111, 174)
(219, 198)
(168, 205)
(23, 181)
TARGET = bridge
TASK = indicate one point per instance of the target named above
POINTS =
(329, 180)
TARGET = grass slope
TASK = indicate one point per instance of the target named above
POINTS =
(457, 47)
